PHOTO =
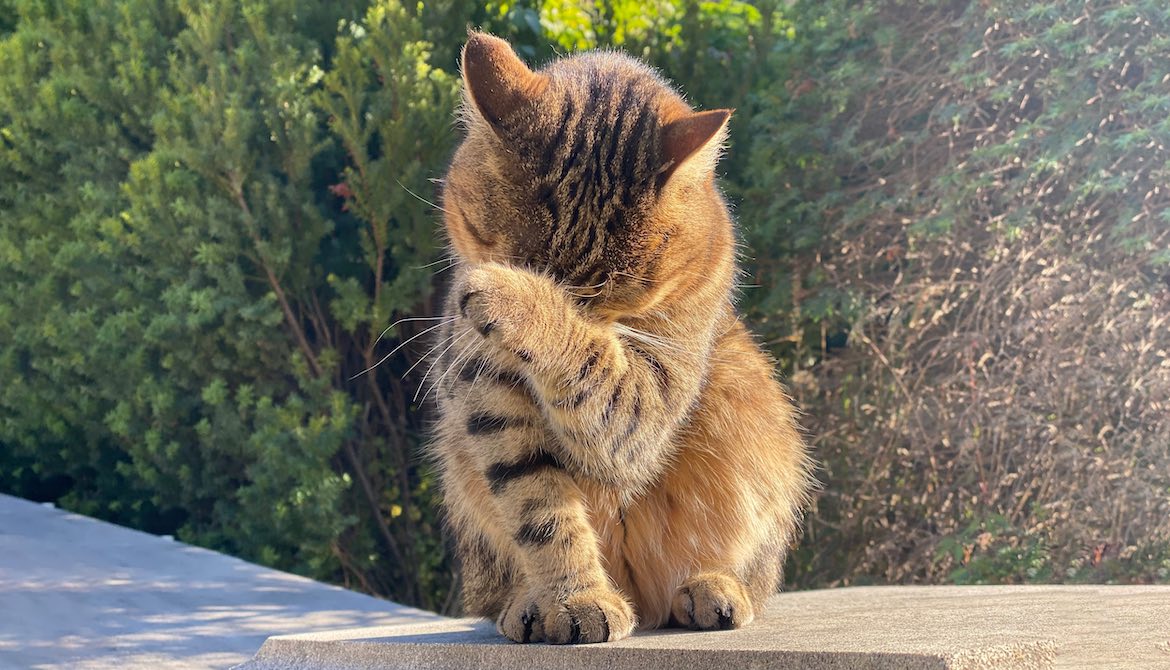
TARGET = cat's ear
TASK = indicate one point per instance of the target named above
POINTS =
(498, 83)
(695, 139)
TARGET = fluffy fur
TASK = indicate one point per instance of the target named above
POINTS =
(614, 448)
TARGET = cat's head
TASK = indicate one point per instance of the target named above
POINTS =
(592, 169)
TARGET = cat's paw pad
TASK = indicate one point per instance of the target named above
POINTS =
(711, 602)
(520, 621)
(594, 615)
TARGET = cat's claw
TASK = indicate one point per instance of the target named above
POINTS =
(594, 615)
(520, 621)
(711, 601)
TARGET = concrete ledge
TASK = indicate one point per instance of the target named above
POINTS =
(963, 628)
(81, 594)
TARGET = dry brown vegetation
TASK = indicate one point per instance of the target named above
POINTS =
(1002, 411)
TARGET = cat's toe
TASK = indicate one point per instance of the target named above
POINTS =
(473, 306)
(598, 615)
(711, 602)
(520, 621)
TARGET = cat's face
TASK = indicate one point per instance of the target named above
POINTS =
(585, 170)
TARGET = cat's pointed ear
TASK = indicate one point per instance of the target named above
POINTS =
(698, 136)
(498, 83)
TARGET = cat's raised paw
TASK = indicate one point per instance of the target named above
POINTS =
(711, 601)
(497, 302)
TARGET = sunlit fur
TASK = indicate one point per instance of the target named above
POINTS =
(614, 448)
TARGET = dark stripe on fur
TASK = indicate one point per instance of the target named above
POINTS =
(499, 475)
(614, 399)
(529, 617)
(656, 366)
(476, 368)
(488, 424)
(590, 362)
(574, 630)
(632, 427)
(577, 400)
(630, 159)
(550, 151)
(536, 534)
(480, 239)
(548, 198)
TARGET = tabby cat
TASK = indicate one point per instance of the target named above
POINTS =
(614, 449)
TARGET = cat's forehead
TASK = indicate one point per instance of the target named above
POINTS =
(589, 163)
(602, 76)
(588, 71)
(601, 109)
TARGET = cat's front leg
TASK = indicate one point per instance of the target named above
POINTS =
(614, 401)
(530, 502)
(511, 465)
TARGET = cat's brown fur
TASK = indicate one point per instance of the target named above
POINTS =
(614, 448)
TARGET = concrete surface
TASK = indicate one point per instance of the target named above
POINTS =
(873, 627)
(81, 593)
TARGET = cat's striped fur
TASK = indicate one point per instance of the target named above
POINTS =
(614, 448)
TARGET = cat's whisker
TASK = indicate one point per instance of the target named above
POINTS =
(444, 259)
(432, 350)
(441, 270)
(467, 359)
(493, 257)
(649, 280)
(407, 320)
(463, 356)
(598, 289)
(420, 198)
(637, 277)
(402, 344)
(665, 342)
(648, 338)
(591, 295)
(478, 373)
(438, 358)
(599, 284)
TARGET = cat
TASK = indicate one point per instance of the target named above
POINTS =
(614, 450)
